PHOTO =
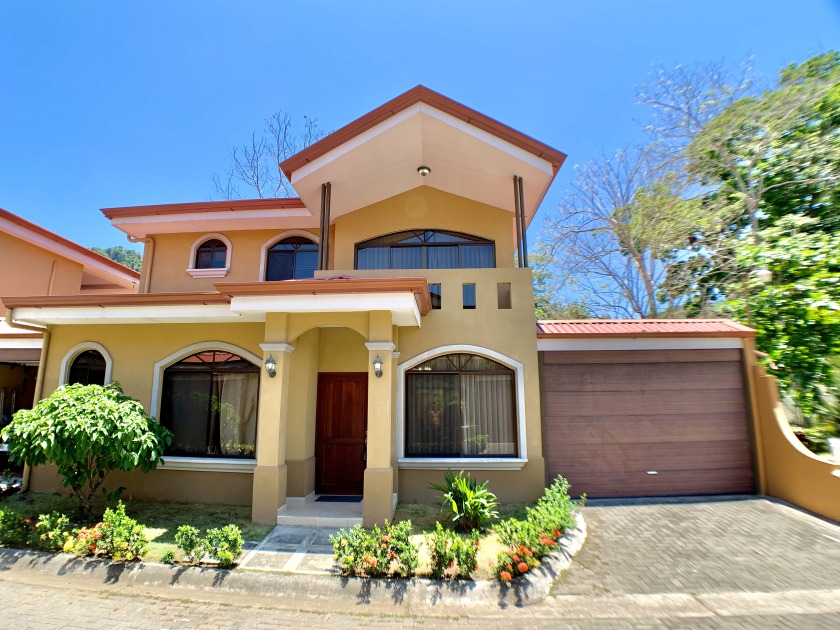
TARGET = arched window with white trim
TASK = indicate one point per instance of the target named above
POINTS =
(210, 256)
(209, 401)
(460, 405)
(88, 368)
(87, 363)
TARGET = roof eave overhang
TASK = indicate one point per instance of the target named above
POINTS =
(212, 216)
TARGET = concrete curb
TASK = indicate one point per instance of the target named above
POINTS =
(530, 589)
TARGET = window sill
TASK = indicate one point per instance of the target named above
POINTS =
(481, 463)
(209, 273)
(209, 464)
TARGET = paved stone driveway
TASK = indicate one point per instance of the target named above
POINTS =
(751, 545)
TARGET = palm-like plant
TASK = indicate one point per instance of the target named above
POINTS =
(471, 502)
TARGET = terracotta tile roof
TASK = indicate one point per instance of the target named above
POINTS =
(565, 329)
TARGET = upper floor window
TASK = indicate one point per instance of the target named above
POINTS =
(426, 249)
(88, 368)
(211, 254)
(292, 258)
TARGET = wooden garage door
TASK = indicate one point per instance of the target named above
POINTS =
(647, 423)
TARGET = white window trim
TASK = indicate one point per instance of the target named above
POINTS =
(481, 463)
(204, 464)
(75, 351)
(209, 464)
(209, 273)
(279, 237)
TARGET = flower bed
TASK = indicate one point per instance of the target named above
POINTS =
(444, 554)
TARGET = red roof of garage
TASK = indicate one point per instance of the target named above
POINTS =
(553, 329)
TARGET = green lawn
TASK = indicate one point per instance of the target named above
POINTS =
(161, 518)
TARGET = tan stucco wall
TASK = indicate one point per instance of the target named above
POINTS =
(135, 349)
(163, 485)
(422, 208)
(791, 472)
(31, 270)
(171, 260)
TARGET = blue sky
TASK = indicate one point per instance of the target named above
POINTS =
(124, 103)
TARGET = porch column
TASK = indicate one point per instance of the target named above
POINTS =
(269, 491)
(379, 475)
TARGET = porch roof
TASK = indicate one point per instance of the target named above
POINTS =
(406, 298)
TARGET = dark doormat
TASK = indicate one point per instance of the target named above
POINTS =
(339, 498)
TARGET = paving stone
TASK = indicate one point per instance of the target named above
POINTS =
(702, 547)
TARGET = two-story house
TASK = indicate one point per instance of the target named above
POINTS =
(356, 340)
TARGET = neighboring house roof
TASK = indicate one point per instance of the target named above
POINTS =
(602, 328)
(93, 263)
(215, 216)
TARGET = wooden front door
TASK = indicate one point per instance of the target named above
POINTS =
(341, 431)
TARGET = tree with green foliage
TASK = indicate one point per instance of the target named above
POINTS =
(86, 431)
(797, 315)
(127, 257)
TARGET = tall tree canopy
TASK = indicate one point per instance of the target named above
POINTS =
(128, 257)
(735, 181)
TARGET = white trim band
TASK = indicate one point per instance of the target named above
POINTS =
(277, 347)
(380, 346)
(75, 351)
(209, 464)
(488, 463)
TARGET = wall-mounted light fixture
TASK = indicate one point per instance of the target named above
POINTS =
(423, 170)
(271, 366)
(377, 366)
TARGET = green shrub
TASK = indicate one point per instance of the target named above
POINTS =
(471, 503)
(189, 540)
(14, 529)
(51, 531)
(224, 544)
(536, 535)
(377, 553)
(168, 557)
(122, 538)
(452, 555)
(86, 431)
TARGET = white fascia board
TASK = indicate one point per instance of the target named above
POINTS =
(8, 343)
(89, 263)
(488, 138)
(351, 144)
(640, 343)
(431, 111)
(403, 306)
(126, 314)
(212, 216)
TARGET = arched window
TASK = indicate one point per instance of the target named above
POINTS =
(88, 368)
(426, 249)
(292, 258)
(460, 405)
(209, 403)
(211, 254)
